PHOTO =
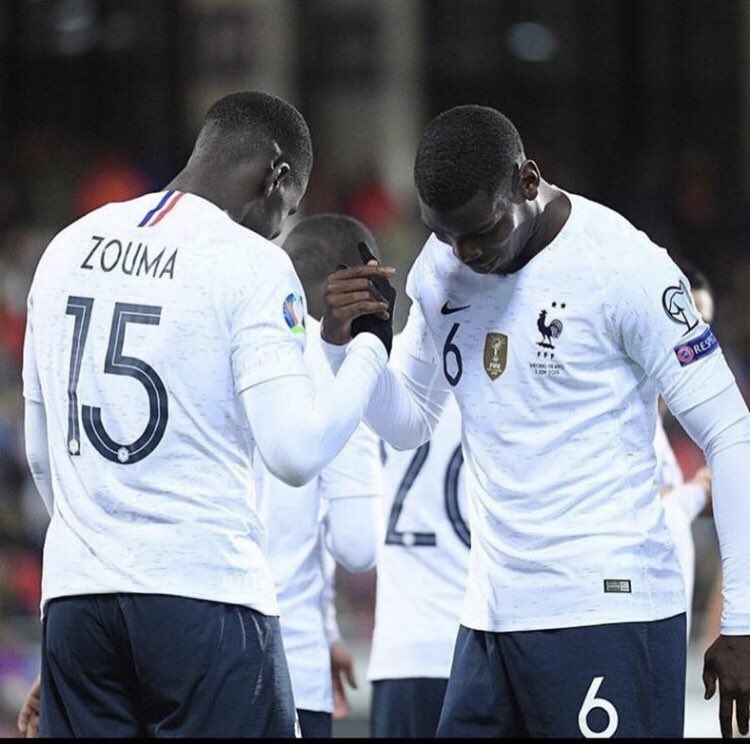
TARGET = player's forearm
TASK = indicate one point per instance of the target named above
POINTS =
(721, 426)
(351, 531)
(37, 452)
(731, 470)
(404, 409)
(689, 498)
(406, 403)
(299, 429)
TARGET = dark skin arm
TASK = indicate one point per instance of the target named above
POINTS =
(728, 662)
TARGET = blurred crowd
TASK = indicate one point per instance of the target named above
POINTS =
(46, 180)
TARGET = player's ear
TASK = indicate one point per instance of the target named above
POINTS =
(279, 169)
(527, 180)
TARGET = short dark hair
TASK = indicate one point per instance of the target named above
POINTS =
(319, 244)
(239, 118)
(464, 150)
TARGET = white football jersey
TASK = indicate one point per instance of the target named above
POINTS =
(556, 369)
(422, 563)
(147, 319)
(294, 521)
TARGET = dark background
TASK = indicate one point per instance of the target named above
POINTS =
(640, 104)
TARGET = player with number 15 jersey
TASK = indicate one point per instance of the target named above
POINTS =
(164, 343)
(150, 452)
(129, 354)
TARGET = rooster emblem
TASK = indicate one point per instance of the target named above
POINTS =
(548, 331)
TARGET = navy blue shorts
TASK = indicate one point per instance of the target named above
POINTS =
(406, 708)
(622, 680)
(135, 665)
(315, 724)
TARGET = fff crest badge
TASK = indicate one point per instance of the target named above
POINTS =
(495, 354)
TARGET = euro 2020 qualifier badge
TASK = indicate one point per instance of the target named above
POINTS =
(679, 306)
(294, 313)
(495, 354)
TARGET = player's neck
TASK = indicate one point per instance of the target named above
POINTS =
(551, 212)
(191, 182)
(554, 213)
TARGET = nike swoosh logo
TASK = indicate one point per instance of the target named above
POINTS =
(445, 310)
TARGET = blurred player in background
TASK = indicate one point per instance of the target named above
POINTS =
(421, 579)
(28, 717)
(342, 662)
(337, 511)
(684, 501)
(164, 342)
(556, 324)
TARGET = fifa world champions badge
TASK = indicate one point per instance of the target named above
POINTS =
(294, 313)
(495, 354)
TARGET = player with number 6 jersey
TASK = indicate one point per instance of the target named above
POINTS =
(555, 323)
(421, 578)
(164, 344)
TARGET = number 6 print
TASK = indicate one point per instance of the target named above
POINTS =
(451, 349)
(591, 702)
(115, 363)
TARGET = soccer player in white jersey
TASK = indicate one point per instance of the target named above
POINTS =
(555, 323)
(164, 342)
(421, 578)
(336, 511)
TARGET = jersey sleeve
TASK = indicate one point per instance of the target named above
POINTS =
(415, 337)
(356, 471)
(658, 326)
(32, 389)
(267, 323)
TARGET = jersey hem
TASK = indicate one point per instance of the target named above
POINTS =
(559, 622)
(383, 677)
(268, 609)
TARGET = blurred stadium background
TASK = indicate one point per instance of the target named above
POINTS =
(641, 104)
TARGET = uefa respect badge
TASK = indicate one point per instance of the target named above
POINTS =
(294, 313)
(692, 351)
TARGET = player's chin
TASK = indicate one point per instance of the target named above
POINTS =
(273, 229)
(486, 265)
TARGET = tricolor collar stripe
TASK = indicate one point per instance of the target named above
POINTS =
(155, 214)
(170, 206)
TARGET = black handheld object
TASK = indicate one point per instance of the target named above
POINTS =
(383, 329)
(365, 253)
